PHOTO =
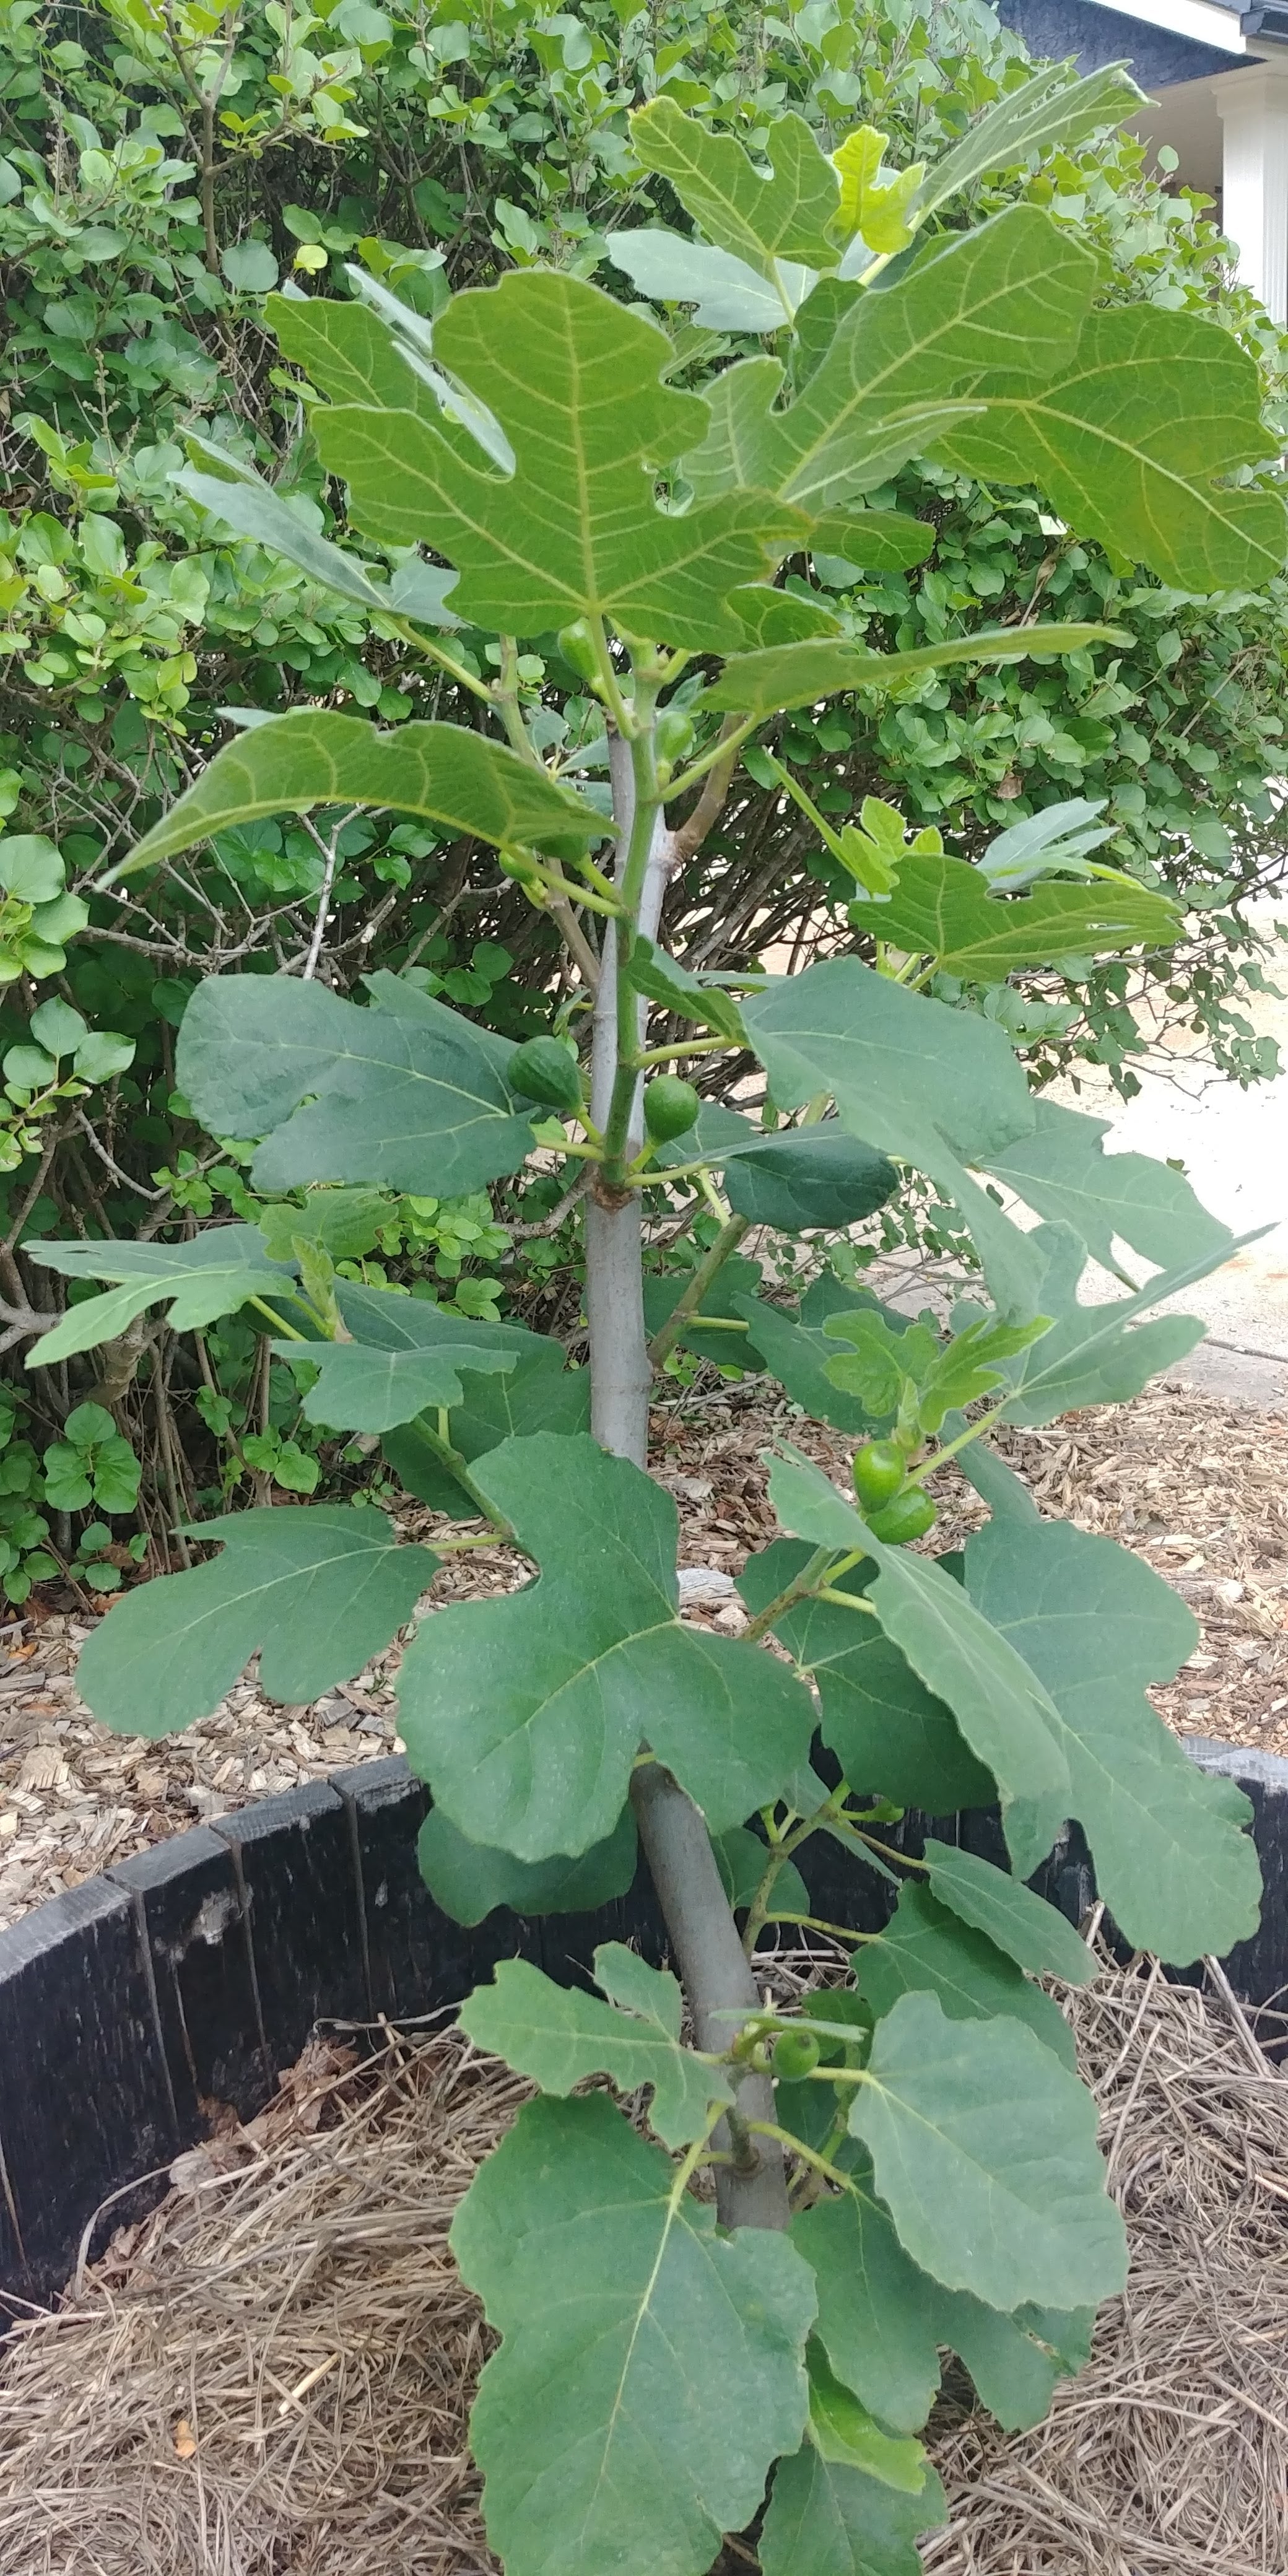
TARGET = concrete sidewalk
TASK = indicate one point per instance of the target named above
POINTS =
(1234, 1146)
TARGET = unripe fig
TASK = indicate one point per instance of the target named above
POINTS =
(577, 649)
(543, 1070)
(670, 1108)
(795, 2055)
(879, 1469)
(910, 1515)
(673, 734)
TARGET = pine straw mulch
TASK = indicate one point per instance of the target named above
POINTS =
(1195, 1483)
(270, 2376)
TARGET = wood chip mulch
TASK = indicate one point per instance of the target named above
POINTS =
(1194, 1483)
(273, 2368)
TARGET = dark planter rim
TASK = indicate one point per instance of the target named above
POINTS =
(193, 1973)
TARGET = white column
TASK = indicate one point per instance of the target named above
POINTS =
(1253, 107)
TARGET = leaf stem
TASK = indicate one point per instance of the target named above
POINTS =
(886, 1851)
(800, 1588)
(758, 1910)
(419, 643)
(808, 2155)
(804, 2191)
(278, 1322)
(607, 905)
(569, 1145)
(815, 1923)
(455, 1464)
(620, 714)
(602, 884)
(722, 748)
(963, 1440)
(696, 2155)
(671, 1054)
(687, 1304)
(504, 695)
(668, 1172)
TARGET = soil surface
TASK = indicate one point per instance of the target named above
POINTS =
(1191, 1480)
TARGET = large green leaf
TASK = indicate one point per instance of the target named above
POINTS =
(936, 1087)
(574, 381)
(317, 1591)
(1047, 109)
(772, 616)
(540, 1394)
(844, 2431)
(925, 1949)
(726, 293)
(417, 1102)
(942, 908)
(984, 2150)
(1130, 441)
(797, 675)
(889, 1734)
(232, 491)
(394, 1323)
(670, 982)
(211, 1276)
(399, 1365)
(358, 1389)
(1097, 1354)
(469, 1880)
(804, 1177)
(460, 780)
(762, 219)
(633, 2334)
(1096, 1625)
(963, 1659)
(351, 354)
(907, 1074)
(1061, 1170)
(1032, 1933)
(558, 2035)
(377, 350)
(795, 1355)
(1011, 294)
(525, 1714)
(792, 1177)
(876, 540)
(828, 2520)
(882, 2322)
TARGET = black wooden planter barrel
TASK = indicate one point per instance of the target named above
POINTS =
(193, 1973)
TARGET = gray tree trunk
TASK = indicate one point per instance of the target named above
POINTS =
(620, 1372)
(751, 2190)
